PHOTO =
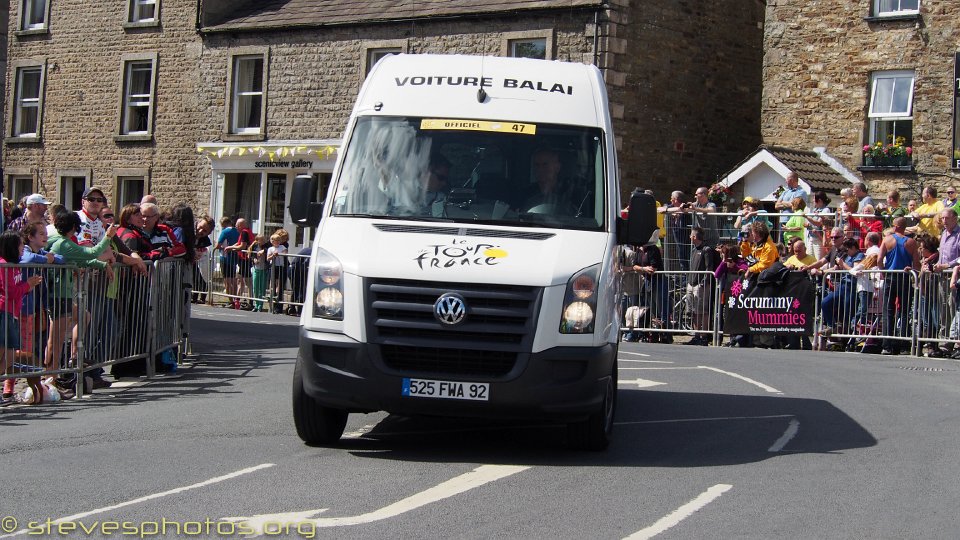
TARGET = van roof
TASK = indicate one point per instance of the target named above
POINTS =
(517, 89)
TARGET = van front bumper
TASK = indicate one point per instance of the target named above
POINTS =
(562, 383)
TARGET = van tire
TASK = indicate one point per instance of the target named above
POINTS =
(596, 431)
(316, 424)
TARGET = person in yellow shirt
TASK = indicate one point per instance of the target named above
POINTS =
(928, 214)
(761, 252)
(800, 259)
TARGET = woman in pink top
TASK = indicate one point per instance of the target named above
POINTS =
(12, 291)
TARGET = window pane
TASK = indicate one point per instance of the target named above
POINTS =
(27, 121)
(30, 84)
(145, 10)
(912, 5)
(35, 12)
(891, 96)
(140, 79)
(901, 96)
(886, 5)
(531, 48)
(249, 75)
(883, 90)
(131, 189)
(248, 112)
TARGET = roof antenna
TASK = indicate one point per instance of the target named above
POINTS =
(481, 93)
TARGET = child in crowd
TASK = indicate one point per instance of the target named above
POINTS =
(12, 290)
(258, 255)
(276, 257)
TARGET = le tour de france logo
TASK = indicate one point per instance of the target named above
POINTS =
(460, 253)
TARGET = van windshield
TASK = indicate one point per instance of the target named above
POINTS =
(435, 169)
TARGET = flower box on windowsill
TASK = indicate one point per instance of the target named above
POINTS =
(886, 168)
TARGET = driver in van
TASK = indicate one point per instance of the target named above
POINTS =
(550, 192)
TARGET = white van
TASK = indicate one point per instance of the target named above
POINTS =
(465, 263)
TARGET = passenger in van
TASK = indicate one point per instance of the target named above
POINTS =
(436, 182)
(418, 196)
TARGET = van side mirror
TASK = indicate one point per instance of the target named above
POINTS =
(304, 211)
(641, 221)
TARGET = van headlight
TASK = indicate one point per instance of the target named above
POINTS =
(327, 286)
(580, 302)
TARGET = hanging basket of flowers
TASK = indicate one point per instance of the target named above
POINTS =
(719, 194)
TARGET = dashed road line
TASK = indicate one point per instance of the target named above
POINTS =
(146, 498)
(681, 513)
(792, 429)
(770, 389)
(483, 474)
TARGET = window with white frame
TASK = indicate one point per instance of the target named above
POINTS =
(891, 107)
(71, 191)
(247, 94)
(137, 109)
(143, 11)
(529, 48)
(888, 8)
(19, 187)
(130, 189)
(26, 113)
(33, 15)
(374, 55)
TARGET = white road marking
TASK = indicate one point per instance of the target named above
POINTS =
(715, 419)
(787, 436)
(634, 353)
(360, 432)
(174, 491)
(641, 383)
(681, 513)
(678, 367)
(770, 389)
(645, 361)
(481, 475)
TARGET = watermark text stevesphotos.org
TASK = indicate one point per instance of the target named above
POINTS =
(163, 527)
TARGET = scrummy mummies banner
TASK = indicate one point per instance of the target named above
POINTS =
(773, 309)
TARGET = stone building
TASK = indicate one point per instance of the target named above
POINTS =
(221, 103)
(844, 75)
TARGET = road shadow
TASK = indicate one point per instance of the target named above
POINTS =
(223, 351)
(654, 429)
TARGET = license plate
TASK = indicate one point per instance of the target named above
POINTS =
(426, 388)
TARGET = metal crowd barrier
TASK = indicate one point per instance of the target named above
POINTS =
(674, 302)
(283, 289)
(77, 319)
(863, 309)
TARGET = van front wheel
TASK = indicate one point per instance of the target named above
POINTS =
(315, 423)
(595, 432)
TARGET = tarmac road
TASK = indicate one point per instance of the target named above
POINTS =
(709, 443)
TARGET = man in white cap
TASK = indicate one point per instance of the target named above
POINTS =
(36, 208)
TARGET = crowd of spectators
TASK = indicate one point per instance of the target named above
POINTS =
(874, 256)
(39, 313)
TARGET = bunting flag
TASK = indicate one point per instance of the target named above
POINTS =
(324, 152)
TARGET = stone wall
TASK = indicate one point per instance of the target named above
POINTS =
(690, 88)
(819, 56)
(683, 80)
(81, 115)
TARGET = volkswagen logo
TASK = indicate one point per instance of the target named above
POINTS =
(450, 309)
